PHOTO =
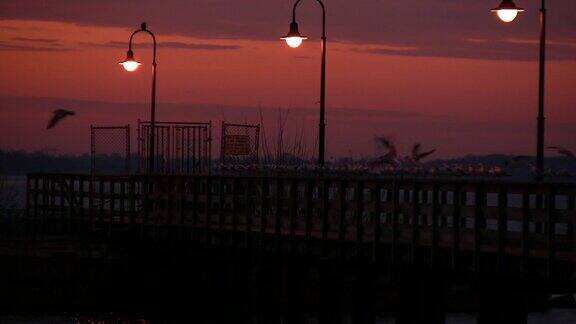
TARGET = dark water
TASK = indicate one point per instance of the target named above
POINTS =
(550, 317)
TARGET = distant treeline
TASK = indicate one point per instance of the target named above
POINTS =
(22, 162)
(556, 163)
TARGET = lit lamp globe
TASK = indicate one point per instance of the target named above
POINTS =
(293, 38)
(507, 10)
(130, 64)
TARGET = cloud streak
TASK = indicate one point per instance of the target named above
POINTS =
(36, 40)
(435, 28)
(479, 48)
(175, 45)
(4, 46)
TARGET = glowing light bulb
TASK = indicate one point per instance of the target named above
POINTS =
(294, 38)
(507, 10)
(507, 15)
(130, 65)
(294, 41)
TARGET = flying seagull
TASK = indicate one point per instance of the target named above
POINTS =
(388, 145)
(391, 156)
(58, 115)
(562, 151)
(417, 153)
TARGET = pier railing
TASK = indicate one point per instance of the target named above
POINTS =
(456, 222)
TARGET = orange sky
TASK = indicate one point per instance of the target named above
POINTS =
(79, 62)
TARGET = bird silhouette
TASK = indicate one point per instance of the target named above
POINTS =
(562, 151)
(387, 144)
(391, 156)
(58, 115)
(418, 155)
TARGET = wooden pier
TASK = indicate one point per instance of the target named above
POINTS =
(516, 226)
(524, 232)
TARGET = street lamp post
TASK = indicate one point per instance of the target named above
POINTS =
(507, 11)
(294, 39)
(130, 65)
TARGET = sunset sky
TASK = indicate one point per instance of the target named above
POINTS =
(446, 73)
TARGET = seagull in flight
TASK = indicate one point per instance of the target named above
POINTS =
(417, 153)
(58, 115)
(391, 156)
(562, 151)
(388, 145)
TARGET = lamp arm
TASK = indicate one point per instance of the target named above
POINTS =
(144, 29)
(294, 10)
(323, 15)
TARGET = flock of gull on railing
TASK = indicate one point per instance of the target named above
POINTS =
(362, 168)
(392, 165)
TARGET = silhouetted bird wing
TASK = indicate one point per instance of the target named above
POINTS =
(567, 153)
(562, 151)
(58, 115)
(423, 155)
(387, 144)
(416, 151)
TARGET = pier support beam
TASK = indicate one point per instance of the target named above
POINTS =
(420, 296)
(501, 300)
(329, 303)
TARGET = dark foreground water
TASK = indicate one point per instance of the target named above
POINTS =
(560, 316)
(552, 316)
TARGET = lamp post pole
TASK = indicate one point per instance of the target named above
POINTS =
(541, 93)
(294, 39)
(130, 64)
(507, 11)
(322, 124)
